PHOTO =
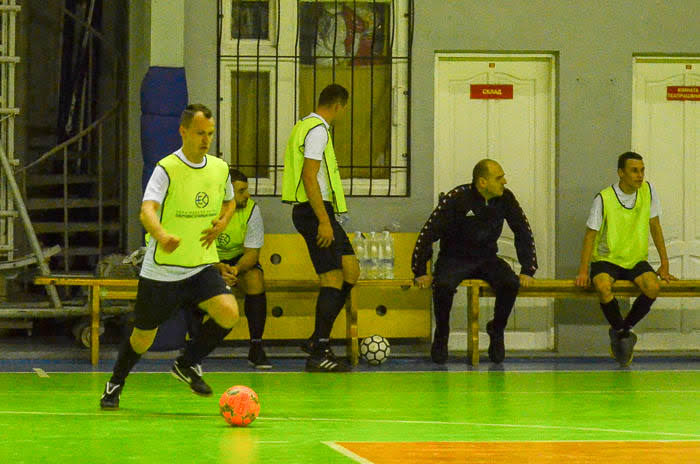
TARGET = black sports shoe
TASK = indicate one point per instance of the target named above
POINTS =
(497, 347)
(614, 344)
(325, 361)
(438, 352)
(110, 397)
(626, 350)
(192, 376)
(257, 357)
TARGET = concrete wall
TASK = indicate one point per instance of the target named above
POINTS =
(595, 42)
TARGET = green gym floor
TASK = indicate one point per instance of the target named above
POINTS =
(581, 412)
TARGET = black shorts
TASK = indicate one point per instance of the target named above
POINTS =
(620, 273)
(233, 261)
(156, 301)
(323, 259)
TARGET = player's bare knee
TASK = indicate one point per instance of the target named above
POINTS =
(604, 290)
(332, 278)
(228, 314)
(141, 340)
(351, 271)
(651, 288)
(254, 282)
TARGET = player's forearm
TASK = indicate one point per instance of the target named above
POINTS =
(657, 236)
(227, 210)
(248, 260)
(150, 221)
(587, 250)
(313, 192)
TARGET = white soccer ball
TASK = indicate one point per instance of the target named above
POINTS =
(375, 349)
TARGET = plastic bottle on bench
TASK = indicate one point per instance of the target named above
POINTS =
(373, 248)
(359, 243)
(387, 256)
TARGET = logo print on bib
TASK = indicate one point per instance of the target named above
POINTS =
(201, 200)
(223, 240)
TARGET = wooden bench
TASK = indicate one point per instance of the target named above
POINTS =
(291, 286)
(546, 288)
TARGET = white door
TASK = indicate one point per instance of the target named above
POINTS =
(666, 132)
(502, 107)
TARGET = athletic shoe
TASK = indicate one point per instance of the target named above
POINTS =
(626, 351)
(325, 362)
(614, 344)
(257, 357)
(438, 352)
(110, 397)
(497, 347)
(192, 376)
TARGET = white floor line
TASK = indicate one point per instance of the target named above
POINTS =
(453, 372)
(40, 372)
(346, 452)
(373, 421)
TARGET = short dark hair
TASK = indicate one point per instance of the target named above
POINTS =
(622, 159)
(333, 94)
(192, 109)
(481, 169)
(237, 175)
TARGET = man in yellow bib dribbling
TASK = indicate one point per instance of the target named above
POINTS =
(188, 202)
(617, 239)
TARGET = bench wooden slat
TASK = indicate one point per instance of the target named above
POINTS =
(557, 288)
(125, 289)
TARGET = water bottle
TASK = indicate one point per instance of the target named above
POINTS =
(373, 246)
(359, 243)
(387, 259)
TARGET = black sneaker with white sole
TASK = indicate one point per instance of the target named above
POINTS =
(110, 397)
(325, 361)
(257, 357)
(192, 376)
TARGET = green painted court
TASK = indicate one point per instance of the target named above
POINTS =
(369, 417)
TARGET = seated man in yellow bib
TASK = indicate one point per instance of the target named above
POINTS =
(239, 250)
(617, 239)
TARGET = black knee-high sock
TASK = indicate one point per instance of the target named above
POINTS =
(126, 360)
(611, 310)
(344, 292)
(211, 335)
(328, 305)
(442, 302)
(640, 308)
(255, 308)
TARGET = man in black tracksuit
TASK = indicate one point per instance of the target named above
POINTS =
(468, 221)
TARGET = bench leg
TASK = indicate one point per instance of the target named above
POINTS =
(473, 325)
(351, 327)
(95, 325)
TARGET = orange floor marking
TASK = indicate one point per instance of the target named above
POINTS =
(568, 452)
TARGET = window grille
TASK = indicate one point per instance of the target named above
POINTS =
(276, 56)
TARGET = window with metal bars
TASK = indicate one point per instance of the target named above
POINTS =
(275, 56)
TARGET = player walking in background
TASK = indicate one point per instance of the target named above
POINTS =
(312, 183)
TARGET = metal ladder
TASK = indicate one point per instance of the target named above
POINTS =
(11, 203)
